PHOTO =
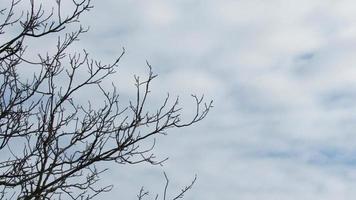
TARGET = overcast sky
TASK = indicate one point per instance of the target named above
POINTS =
(282, 74)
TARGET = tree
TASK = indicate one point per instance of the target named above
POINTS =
(50, 141)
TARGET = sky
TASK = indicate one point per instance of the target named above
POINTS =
(282, 74)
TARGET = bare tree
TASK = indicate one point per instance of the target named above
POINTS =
(50, 142)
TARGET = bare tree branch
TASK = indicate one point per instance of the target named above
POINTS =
(50, 141)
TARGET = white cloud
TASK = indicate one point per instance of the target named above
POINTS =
(275, 69)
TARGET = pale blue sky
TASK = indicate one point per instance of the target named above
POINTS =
(282, 74)
(283, 77)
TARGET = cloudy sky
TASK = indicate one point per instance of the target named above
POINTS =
(283, 78)
(282, 74)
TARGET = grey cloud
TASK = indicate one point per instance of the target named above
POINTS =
(282, 76)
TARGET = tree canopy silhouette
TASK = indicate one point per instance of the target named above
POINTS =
(50, 141)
